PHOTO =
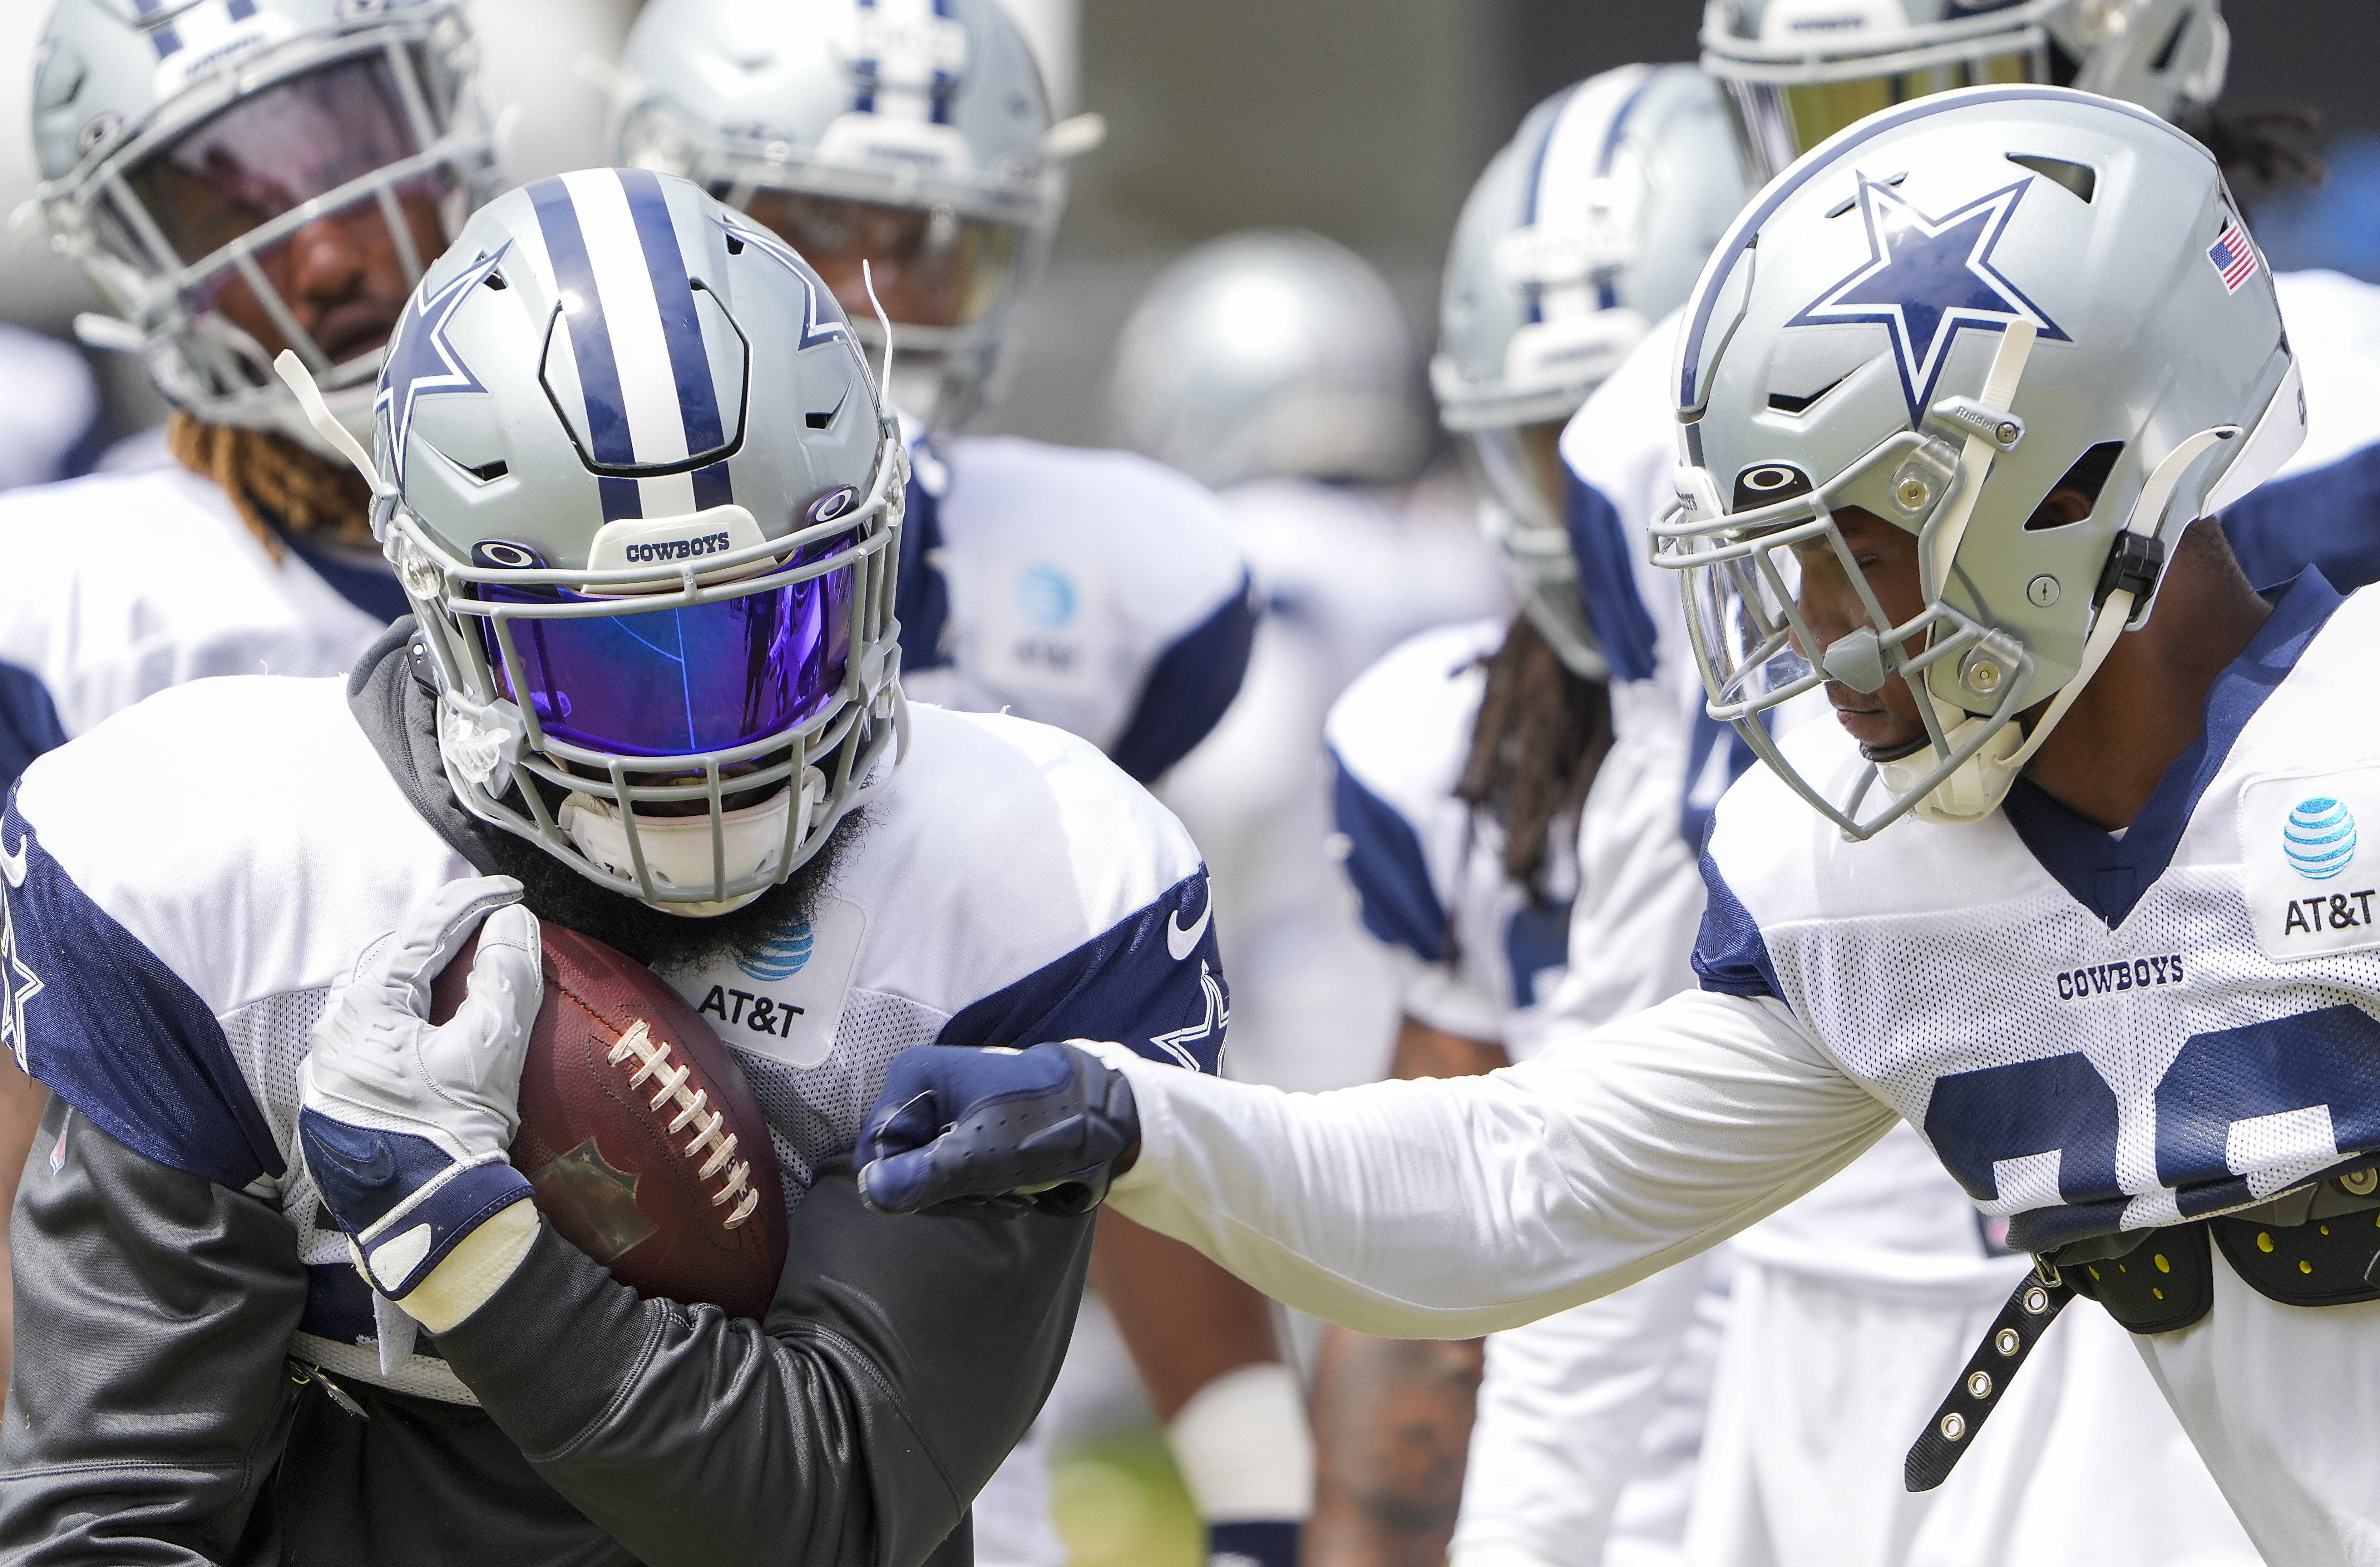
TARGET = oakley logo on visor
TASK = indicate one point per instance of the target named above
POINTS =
(833, 504)
(1765, 484)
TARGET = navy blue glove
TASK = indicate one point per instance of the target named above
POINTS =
(994, 1132)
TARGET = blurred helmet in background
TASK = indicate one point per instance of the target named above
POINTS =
(1269, 354)
(1586, 228)
(637, 481)
(1803, 69)
(913, 135)
(240, 176)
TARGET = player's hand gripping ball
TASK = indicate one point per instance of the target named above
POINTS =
(402, 1118)
(967, 1132)
(640, 1134)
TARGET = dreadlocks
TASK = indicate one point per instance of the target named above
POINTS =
(275, 483)
(1540, 736)
(2260, 145)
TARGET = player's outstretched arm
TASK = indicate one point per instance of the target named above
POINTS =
(1443, 1208)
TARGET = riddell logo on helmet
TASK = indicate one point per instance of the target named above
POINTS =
(677, 549)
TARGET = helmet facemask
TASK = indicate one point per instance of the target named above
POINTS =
(290, 203)
(691, 738)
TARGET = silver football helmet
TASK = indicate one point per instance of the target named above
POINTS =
(637, 481)
(1959, 307)
(237, 178)
(1269, 354)
(1803, 69)
(1586, 229)
(913, 134)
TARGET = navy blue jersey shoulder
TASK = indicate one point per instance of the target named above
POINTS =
(1537, 942)
(1607, 581)
(2108, 875)
(2328, 518)
(28, 722)
(98, 1017)
(1153, 982)
(1730, 955)
(1188, 688)
(1384, 860)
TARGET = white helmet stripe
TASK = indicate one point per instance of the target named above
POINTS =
(634, 341)
(1578, 151)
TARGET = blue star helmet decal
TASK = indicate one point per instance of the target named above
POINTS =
(421, 362)
(1927, 279)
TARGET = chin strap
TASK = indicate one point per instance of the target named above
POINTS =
(292, 370)
(1977, 788)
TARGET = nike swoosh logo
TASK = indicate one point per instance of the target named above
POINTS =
(13, 866)
(1181, 943)
(377, 1170)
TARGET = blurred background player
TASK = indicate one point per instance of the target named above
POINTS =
(1869, 1293)
(1276, 366)
(1464, 760)
(1095, 590)
(234, 178)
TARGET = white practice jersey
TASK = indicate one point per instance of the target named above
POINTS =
(2093, 1033)
(1098, 591)
(2323, 508)
(1481, 955)
(187, 883)
(120, 585)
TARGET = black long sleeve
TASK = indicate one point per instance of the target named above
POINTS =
(154, 1420)
(901, 1360)
(150, 1395)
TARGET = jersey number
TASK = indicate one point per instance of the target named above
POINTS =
(2237, 1096)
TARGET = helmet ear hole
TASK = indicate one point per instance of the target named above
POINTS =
(2085, 478)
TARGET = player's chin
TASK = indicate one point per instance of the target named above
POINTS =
(1880, 731)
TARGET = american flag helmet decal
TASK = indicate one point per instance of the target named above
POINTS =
(2233, 256)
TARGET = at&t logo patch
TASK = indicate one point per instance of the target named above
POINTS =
(2301, 871)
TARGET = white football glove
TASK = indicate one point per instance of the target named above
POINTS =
(403, 1122)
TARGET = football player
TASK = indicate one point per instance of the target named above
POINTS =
(234, 178)
(1094, 590)
(1462, 762)
(279, 1300)
(1887, 1254)
(2069, 882)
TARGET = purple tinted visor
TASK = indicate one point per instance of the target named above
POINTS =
(676, 682)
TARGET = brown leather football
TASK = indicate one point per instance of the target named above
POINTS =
(639, 1132)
